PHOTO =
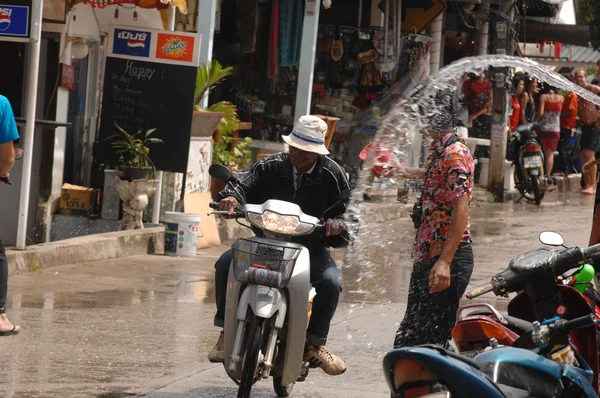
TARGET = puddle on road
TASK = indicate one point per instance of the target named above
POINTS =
(196, 291)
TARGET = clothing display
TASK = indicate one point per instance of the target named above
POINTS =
(248, 25)
(291, 17)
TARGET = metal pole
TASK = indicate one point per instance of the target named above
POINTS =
(436, 45)
(156, 200)
(307, 58)
(205, 25)
(32, 86)
(484, 29)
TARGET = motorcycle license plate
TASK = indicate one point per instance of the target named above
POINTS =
(532, 162)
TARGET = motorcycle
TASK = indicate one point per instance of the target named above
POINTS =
(557, 358)
(529, 161)
(269, 295)
(498, 372)
(477, 323)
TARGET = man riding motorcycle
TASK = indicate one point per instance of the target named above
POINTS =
(308, 178)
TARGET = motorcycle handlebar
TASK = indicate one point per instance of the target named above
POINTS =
(568, 259)
(480, 291)
(581, 322)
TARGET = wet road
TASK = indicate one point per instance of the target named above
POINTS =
(143, 325)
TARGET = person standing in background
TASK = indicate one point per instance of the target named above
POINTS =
(528, 100)
(549, 111)
(568, 120)
(8, 134)
(590, 135)
(477, 96)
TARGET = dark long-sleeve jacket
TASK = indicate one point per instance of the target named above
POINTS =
(272, 178)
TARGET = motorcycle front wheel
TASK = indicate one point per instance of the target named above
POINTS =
(254, 339)
(282, 391)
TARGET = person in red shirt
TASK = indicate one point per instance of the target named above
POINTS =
(519, 86)
(477, 96)
(568, 120)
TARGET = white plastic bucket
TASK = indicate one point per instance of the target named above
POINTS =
(181, 233)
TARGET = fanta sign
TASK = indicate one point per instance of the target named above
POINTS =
(14, 20)
(174, 47)
(131, 42)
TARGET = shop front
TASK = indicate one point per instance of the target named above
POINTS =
(362, 66)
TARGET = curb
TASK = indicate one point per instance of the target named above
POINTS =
(86, 248)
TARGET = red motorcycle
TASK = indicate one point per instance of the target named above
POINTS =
(538, 278)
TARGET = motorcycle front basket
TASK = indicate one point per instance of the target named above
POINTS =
(263, 263)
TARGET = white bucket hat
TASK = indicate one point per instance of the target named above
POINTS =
(309, 135)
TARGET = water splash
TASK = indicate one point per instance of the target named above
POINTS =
(374, 254)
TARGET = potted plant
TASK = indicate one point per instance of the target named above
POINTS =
(221, 116)
(237, 158)
(134, 153)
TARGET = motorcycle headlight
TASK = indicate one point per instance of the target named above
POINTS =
(274, 222)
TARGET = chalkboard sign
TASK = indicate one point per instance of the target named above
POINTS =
(143, 95)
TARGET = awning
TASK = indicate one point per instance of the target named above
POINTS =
(540, 8)
(566, 34)
(159, 4)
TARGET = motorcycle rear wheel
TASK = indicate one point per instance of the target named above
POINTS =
(282, 391)
(251, 357)
(536, 190)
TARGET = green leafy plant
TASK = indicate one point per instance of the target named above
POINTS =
(210, 75)
(133, 149)
(236, 158)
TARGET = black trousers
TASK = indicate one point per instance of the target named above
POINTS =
(429, 318)
(3, 278)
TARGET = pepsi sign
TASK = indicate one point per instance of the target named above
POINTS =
(131, 43)
(14, 20)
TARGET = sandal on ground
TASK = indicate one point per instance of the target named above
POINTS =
(10, 332)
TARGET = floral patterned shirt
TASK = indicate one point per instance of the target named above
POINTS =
(449, 175)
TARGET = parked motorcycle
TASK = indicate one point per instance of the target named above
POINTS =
(557, 358)
(477, 323)
(269, 295)
(498, 372)
(529, 160)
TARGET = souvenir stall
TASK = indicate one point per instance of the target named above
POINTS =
(399, 74)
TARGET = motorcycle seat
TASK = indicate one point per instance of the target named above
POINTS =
(518, 325)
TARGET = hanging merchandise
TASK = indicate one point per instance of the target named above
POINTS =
(414, 60)
(291, 14)
(370, 77)
(273, 58)
(384, 45)
(248, 25)
(337, 46)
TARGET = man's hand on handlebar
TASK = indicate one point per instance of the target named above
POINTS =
(334, 227)
(229, 204)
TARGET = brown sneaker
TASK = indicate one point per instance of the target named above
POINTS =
(217, 354)
(324, 359)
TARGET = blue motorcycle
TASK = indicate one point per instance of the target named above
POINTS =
(554, 367)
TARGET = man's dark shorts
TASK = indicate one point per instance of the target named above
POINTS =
(590, 137)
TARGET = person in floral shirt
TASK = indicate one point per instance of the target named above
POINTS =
(442, 253)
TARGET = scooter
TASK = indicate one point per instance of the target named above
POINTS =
(529, 160)
(269, 295)
(477, 323)
(557, 358)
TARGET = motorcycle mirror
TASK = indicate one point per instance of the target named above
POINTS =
(220, 172)
(551, 238)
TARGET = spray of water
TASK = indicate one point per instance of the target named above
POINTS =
(380, 246)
